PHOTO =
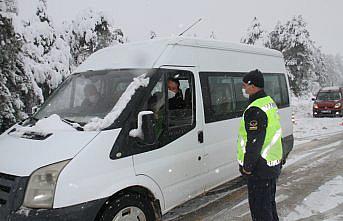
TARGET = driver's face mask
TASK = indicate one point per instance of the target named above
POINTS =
(171, 94)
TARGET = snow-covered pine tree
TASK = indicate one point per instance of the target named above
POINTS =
(89, 32)
(320, 70)
(334, 70)
(45, 54)
(293, 40)
(255, 34)
(16, 89)
(339, 64)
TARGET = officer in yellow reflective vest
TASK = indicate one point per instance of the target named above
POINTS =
(259, 148)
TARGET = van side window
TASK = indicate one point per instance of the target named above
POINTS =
(284, 91)
(181, 107)
(219, 96)
(275, 86)
(223, 97)
(272, 88)
(174, 113)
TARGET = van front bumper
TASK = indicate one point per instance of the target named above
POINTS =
(82, 212)
(12, 191)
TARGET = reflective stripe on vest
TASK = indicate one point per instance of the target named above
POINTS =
(272, 147)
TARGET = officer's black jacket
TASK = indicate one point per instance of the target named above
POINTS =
(256, 122)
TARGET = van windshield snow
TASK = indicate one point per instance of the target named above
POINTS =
(328, 96)
(90, 94)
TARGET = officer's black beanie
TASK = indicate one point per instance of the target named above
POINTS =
(254, 77)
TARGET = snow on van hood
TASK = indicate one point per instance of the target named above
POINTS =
(21, 156)
(44, 127)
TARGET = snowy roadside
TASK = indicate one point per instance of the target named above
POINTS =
(307, 128)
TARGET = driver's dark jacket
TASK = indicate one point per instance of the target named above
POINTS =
(177, 101)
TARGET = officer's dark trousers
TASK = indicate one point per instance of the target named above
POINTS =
(262, 204)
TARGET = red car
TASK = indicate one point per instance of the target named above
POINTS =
(329, 102)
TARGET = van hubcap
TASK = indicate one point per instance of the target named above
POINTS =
(130, 214)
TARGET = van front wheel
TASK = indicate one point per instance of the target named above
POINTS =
(130, 206)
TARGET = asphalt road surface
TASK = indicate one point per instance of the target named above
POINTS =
(310, 188)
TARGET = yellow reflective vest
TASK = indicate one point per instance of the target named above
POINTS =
(272, 147)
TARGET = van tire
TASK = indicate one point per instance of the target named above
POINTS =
(128, 200)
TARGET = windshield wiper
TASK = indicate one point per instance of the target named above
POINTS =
(32, 120)
(72, 123)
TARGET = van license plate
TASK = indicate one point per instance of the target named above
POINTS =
(326, 111)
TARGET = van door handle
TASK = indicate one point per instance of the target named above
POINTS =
(200, 136)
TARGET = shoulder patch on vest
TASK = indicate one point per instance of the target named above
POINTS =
(253, 125)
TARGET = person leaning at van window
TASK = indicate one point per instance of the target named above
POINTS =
(259, 148)
(175, 96)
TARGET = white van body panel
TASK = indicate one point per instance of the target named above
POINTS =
(175, 168)
(93, 175)
(220, 140)
(177, 56)
(21, 156)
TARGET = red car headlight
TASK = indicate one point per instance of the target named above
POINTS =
(338, 105)
(315, 106)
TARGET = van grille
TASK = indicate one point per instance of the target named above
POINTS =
(6, 184)
(12, 190)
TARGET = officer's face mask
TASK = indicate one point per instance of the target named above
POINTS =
(171, 94)
(245, 93)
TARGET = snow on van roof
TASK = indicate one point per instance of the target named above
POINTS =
(145, 54)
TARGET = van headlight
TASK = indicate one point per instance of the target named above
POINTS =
(40, 190)
(338, 105)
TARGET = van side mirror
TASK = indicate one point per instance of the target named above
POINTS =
(145, 127)
(313, 99)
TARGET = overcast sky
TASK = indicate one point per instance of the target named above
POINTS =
(228, 19)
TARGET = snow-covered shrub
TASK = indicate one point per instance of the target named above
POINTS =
(45, 54)
(89, 32)
(16, 88)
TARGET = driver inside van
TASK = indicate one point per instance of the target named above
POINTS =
(175, 96)
(92, 98)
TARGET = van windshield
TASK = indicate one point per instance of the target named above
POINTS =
(90, 94)
(328, 96)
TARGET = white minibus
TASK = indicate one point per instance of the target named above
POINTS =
(108, 145)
